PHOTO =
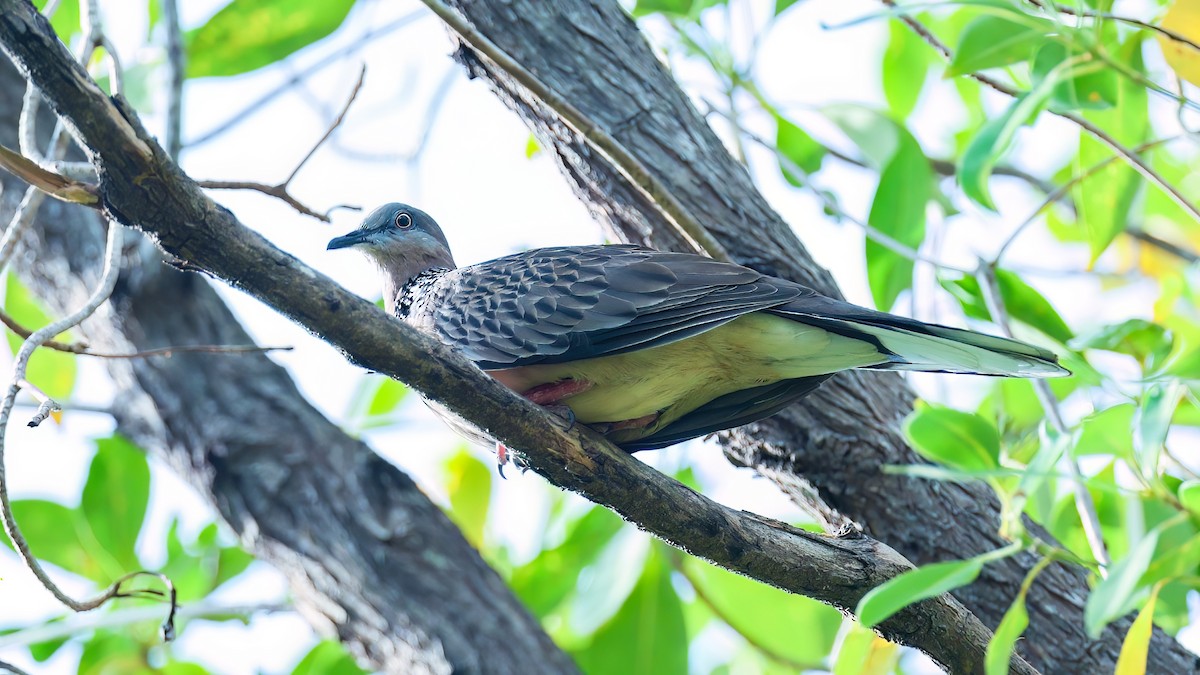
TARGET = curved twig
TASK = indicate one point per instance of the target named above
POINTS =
(107, 282)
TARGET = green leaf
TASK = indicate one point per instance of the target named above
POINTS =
(545, 582)
(898, 210)
(990, 41)
(767, 616)
(646, 635)
(905, 68)
(65, 20)
(795, 144)
(683, 9)
(1151, 423)
(387, 397)
(328, 657)
(52, 531)
(532, 147)
(42, 651)
(957, 439)
(862, 652)
(1023, 302)
(928, 581)
(1000, 649)
(1104, 198)
(115, 497)
(1136, 647)
(1148, 342)
(112, 652)
(1189, 495)
(1088, 90)
(248, 34)
(1113, 597)
(51, 371)
(1107, 432)
(877, 136)
(993, 140)
(782, 6)
(469, 483)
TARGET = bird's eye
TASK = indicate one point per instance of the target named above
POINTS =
(403, 220)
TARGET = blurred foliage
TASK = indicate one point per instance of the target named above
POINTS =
(622, 603)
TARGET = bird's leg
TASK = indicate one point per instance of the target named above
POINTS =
(548, 396)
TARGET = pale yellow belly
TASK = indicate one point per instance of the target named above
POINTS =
(677, 378)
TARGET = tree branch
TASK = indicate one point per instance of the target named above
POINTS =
(834, 442)
(188, 225)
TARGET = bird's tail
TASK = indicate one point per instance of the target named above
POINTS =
(914, 345)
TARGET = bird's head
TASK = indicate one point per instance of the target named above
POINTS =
(402, 240)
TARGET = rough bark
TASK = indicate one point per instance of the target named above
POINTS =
(369, 558)
(591, 53)
(141, 186)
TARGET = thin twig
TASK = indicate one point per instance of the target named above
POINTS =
(1128, 155)
(638, 175)
(82, 348)
(874, 234)
(1061, 191)
(80, 624)
(990, 288)
(337, 122)
(103, 290)
(277, 191)
(413, 157)
(47, 407)
(49, 182)
(1174, 249)
(280, 190)
(362, 41)
(7, 668)
(1092, 14)
(176, 65)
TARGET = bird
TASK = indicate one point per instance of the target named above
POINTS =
(652, 348)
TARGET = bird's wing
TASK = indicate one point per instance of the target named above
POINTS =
(728, 411)
(555, 305)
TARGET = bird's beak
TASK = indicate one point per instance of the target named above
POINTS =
(346, 240)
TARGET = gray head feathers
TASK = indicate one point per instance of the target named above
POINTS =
(403, 241)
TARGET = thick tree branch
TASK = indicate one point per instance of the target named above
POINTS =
(142, 187)
(838, 439)
(370, 559)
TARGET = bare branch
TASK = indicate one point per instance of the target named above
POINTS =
(362, 41)
(103, 290)
(1084, 504)
(53, 184)
(176, 66)
(337, 122)
(280, 190)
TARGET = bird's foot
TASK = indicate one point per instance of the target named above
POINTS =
(564, 414)
(501, 458)
(505, 456)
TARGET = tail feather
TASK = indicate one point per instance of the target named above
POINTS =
(914, 345)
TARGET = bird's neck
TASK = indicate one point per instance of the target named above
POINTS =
(402, 267)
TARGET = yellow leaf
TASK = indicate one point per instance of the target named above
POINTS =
(56, 415)
(1136, 647)
(1183, 18)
